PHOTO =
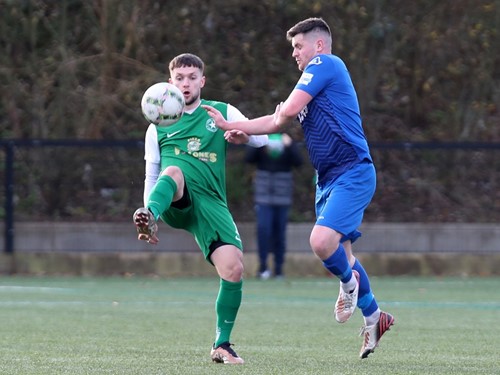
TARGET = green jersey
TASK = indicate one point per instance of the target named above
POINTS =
(198, 148)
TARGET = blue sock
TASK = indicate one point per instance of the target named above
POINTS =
(338, 264)
(366, 299)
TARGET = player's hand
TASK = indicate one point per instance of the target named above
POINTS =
(287, 140)
(236, 136)
(220, 121)
(277, 113)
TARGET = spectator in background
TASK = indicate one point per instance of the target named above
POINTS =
(273, 188)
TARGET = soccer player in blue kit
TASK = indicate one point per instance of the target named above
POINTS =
(325, 103)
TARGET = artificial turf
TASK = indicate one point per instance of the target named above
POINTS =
(142, 325)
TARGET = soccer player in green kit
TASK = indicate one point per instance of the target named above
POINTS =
(185, 186)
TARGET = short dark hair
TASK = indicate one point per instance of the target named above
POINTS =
(308, 25)
(186, 59)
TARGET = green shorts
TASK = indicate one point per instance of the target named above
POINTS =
(206, 217)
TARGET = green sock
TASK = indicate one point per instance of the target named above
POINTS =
(161, 196)
(226, 307)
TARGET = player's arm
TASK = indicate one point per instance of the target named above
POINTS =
(152, 173)
(261, 125)
(285, 113)
(152, 161)
(289, 110)
(240, 137)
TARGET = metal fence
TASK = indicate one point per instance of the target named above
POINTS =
(77, 180)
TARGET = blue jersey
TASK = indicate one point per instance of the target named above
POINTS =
(331, 121)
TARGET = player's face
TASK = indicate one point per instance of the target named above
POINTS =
(304, 49)
(189, 80)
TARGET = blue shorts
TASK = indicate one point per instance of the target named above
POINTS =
(341, 204)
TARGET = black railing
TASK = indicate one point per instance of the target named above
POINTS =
(10, 146)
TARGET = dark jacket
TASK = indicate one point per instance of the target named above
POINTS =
(273, 182)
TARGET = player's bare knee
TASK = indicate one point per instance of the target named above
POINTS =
(174, 172)
(228, 260)
(237, 273)
(323, 246)
(233, 272)
(320, 250)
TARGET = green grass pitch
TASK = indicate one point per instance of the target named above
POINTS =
(166, 326)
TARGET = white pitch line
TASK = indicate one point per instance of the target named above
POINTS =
(43, 289)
